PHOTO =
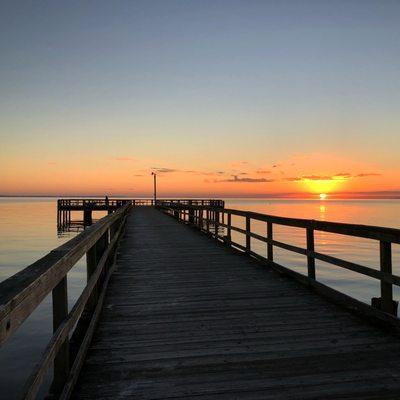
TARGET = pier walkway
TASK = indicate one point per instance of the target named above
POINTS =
(185, 317)
(178, 304)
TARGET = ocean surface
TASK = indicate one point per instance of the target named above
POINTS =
(28, 230)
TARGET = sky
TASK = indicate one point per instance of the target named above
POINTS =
(219, 98)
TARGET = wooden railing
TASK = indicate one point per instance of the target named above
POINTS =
(92, 202)
(210, 220)
(22, 293)
(66, 203)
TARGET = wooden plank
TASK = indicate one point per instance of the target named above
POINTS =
(188, 317)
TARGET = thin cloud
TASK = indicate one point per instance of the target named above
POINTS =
(124, 159)
(336, 177)
(239, 163)
(317, 177)
(262, 171)
(363, 175)
(162, 170)
(293, 179)
(343, 175)
(236, 179)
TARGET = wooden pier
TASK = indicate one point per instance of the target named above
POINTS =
(174, 308)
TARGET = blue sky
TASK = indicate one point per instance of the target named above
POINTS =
(198, 84)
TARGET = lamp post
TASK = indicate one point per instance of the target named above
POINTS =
(155, 187)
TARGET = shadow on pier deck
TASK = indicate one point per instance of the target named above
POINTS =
(187, 317)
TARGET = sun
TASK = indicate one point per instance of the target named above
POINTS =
(323, 196)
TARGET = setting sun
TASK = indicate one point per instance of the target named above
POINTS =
(322, 196)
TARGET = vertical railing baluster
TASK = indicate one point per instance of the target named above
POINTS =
(270, 246)
(229, 229)
(191, 212)
(310, 258)
(216, 224)
(60, 312)
(248, 238)
(92, 258)
(386, 268)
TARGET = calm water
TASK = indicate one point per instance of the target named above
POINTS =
(28, 231)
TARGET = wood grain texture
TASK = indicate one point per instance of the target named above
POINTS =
(187, 318)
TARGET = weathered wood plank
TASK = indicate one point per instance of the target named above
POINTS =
(184, 317)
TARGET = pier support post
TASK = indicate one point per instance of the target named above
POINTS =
(310, 248)
(385, 302)
(191, 213)
(91, 264)
(87, 217)
(60, 312)
(270, 247)
(248, 238)
(200, 219)
(216, 222)
(229, 229)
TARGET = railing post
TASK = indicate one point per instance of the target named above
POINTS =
(310, 248)
(92, 259)
(191, 213)
(229, 229)
(216, 224)
(60, 312)
(114, 228)
(270, 247)
(248, 229)
(208, 220)
(387, 303)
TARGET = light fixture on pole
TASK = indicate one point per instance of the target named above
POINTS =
(155, 187)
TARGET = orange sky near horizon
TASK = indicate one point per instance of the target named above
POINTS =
(300, 176)
(226, 98)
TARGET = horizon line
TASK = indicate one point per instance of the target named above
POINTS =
(381, 194)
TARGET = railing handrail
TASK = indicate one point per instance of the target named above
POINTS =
(21, 294)
(359, 230)
(194, 215)
(17, 292)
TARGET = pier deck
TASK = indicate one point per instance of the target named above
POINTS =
(186, 317)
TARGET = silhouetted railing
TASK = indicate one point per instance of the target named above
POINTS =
(66, 206)
(22, 293)
(211, 219)
(104, 203)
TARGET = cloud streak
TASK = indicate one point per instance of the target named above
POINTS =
(124, 159)
(236, 179)
(367, 174)
(342, 176)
